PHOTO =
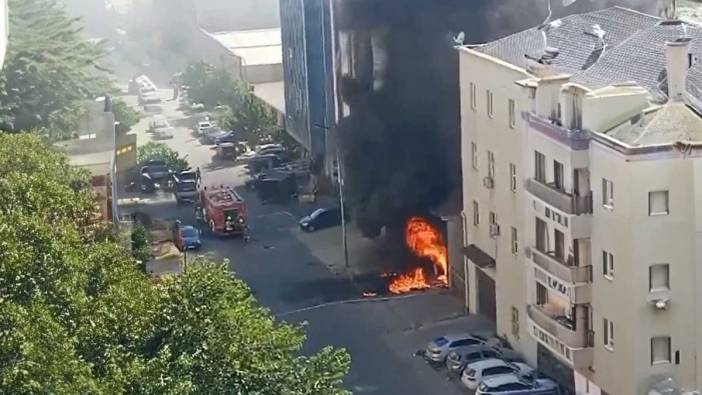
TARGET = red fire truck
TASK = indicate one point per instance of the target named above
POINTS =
(223, 211)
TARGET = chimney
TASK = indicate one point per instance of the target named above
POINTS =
(677, 65)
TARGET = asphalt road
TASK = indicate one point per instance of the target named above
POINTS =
(292, 273)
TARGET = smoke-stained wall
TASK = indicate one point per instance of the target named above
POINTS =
(398, 87)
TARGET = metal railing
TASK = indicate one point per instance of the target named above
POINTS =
(566, 270)
(560, 199)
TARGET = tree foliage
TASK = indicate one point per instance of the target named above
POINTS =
(79, 316)
(49, 69)
(141, 250)
(160, 151)
(125, 115)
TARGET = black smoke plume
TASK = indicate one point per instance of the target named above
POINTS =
(401, 139)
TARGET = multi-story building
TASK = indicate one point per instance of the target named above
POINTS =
(582, 179)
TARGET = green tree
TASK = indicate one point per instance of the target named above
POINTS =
(80, 317)
(160, 151)
(125, 115)
(141, 250)
(49, 69)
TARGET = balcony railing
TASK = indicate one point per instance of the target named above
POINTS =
(558, 327)
(565, 270)
(560, 199)
(576, 140)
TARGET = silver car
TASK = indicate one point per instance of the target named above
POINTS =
(458, 359)
(512, 384)
(438, 349)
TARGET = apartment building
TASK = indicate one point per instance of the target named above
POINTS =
(582, 178)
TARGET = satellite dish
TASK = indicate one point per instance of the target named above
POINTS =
(460, 38)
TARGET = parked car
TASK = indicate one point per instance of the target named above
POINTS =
(512, 384)
(265, 147)
(185, 175)
(439, 348)
(163, 133)
(475, 372)
(320, 219)
(187, 238)
(156, 169)
(159, 122)
(458, 359)
(228, 137)
(203, 126)
(185, 191)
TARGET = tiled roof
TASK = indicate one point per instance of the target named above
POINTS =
(672, 122)
(634, 51)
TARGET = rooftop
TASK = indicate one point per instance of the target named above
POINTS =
(272, 93)
(255, 47)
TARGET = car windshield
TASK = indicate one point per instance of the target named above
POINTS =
(441, 341)
(317, 213)
(157, 168)
(189, 232)
(186, 186)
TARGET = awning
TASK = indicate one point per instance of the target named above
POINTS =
(478, 256)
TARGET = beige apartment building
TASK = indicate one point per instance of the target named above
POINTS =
(582, 197)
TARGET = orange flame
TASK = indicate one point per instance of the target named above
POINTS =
(425, 241)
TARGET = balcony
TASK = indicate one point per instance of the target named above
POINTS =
(559, 199)
(566, 271)
(560, 327)
(576, 140)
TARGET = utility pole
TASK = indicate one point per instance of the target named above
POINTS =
(343, 211)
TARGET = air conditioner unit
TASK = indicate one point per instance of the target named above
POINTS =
(488, 182)
(494, 230)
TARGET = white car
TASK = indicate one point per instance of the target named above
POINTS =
(512, 384)
(204, 126)
(439, 348)
(475, 372)
(159, 123)
(163, 133)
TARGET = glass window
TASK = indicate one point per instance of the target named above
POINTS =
(513, 177)
(491, 164)
(473, 101)
(607, 193)
(540, 235)
(558, 175)
(607, 265)
(476, 213)
(539, 166)
(559, 247)
(658, 203)
(659, 277)
(515, 241)
(660, 350)
(608, 334)
(512, 113)
(490, 109)
(474, 155)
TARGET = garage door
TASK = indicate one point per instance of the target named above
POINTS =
(486, 295)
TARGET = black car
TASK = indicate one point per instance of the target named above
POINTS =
(321, 218)
(156, 169)
(185, 175)
(228, 137)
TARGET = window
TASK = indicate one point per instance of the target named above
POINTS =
(512, 113)
(491, 164)
(493, 218)
(490, 109)
(658, 203)
(660, 350)
(476, 213)
(558, 175)
(513, 177)
(607, 265)
(559, 240)
(473, 101)
(515, 241)
(607, 193)
(659, 277)
(608, 334)
(474, 155)
(540, 235)
(539, 166)
(515, 326)
(541, 295)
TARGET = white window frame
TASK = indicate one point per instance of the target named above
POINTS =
(607, 194)
(491, 164)
(666, 269)
(490, 103)
(666, 343)
(473, 97)
(476, 213)
(511, 108)
(515, 241)
(608, 334)
(474, 155)
(666, 196)
(513, 177)
(608, 265)
(539, 166)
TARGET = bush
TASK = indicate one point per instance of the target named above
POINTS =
(160, 151)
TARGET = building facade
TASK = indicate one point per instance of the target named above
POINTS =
(309, 76)
(580, 155)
